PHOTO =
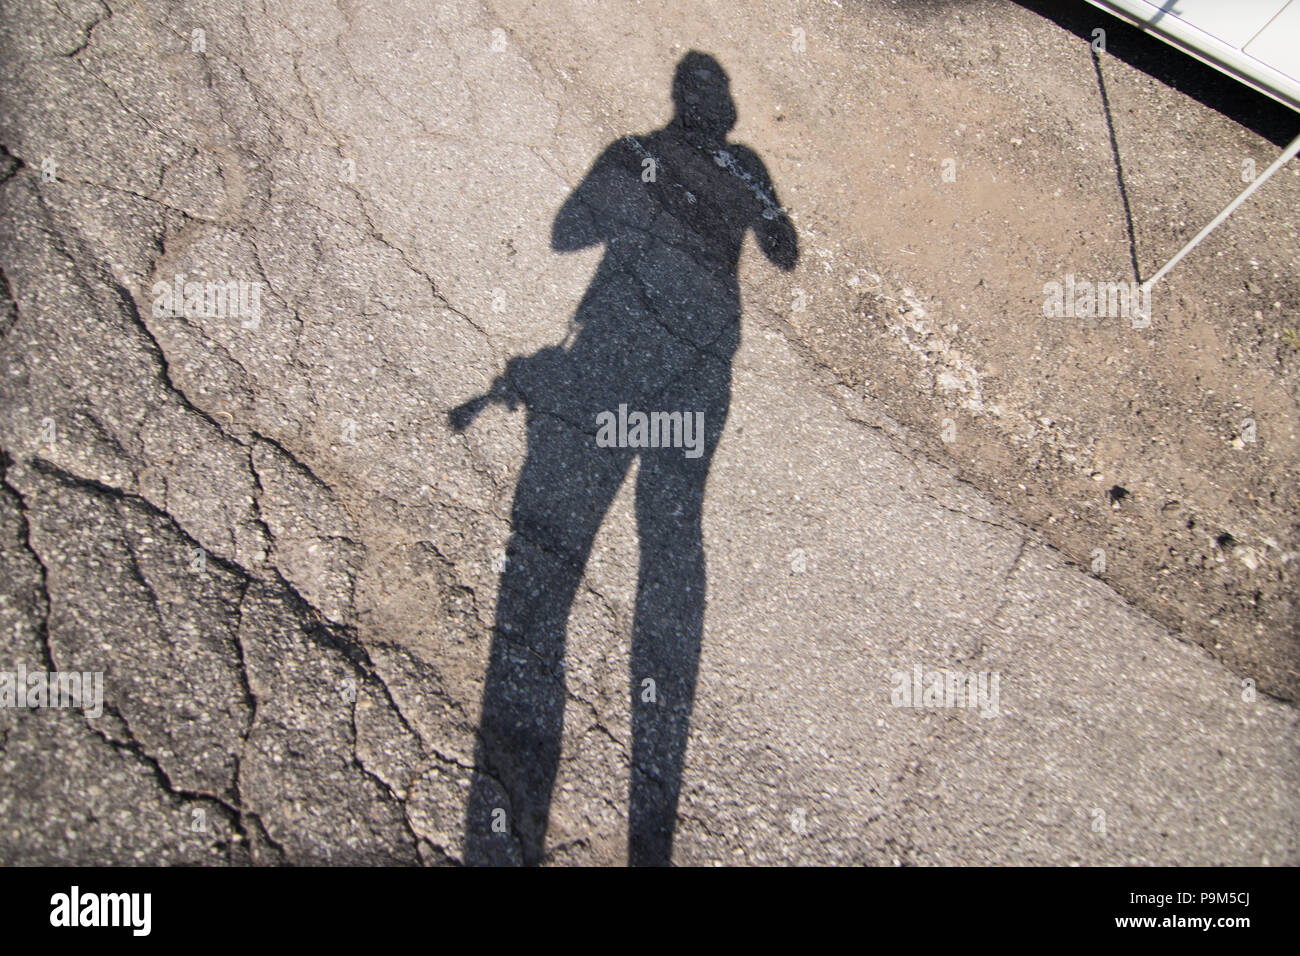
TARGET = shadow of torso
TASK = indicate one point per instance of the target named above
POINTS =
(660, 320)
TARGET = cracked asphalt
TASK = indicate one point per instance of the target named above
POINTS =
(268, 536)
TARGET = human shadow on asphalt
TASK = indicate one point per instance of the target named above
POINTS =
(645, 372)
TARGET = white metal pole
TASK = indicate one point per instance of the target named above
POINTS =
(1287, 155)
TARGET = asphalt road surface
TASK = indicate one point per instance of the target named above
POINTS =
(855, 616)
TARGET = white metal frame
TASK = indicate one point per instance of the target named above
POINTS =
(1158, 20)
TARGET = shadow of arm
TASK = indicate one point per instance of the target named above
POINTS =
(577, 224)
(773, 229)
(778, 240)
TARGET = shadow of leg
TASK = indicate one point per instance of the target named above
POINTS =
(564, 490)
(665, 645)
(523, 712)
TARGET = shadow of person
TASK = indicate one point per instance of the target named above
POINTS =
(648, 374)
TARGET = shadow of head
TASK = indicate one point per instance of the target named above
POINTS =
(702, 97)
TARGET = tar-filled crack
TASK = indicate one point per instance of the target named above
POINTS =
(87, 29)
(386, 787)
(10, 164)
(894, 434)
(133, 565)
(8, 306)
(1006, 590)
(251, 238)
(233, 812)
(426, 746)
(608, 604)
(294, 461)
(967, 514)
(159, 355)
(185, 214)
(250, 697)
(43, 574)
